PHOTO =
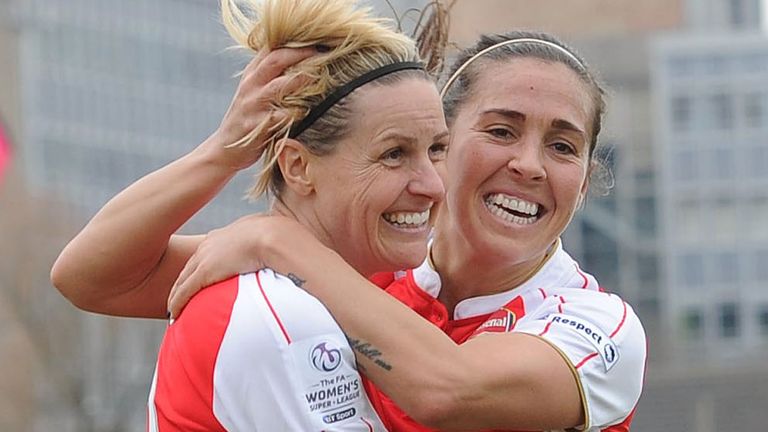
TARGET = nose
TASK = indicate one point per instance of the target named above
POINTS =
(426, 181)
(526, 161)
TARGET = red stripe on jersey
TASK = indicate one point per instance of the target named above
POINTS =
(586, 281)
(586, 359)
(543, 294)
(623, 318)
(271, 309)
(187, 359)
(623, 426)
(370, 426)
(560, 306)
(546, 329)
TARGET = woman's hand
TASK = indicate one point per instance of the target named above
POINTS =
(244, 246)
(261, 82)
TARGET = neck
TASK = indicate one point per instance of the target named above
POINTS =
(295, 209)
(452, 255)
(301, 210)
(279, 208)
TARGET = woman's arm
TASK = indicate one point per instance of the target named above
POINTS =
(121, 261)
(490, 382)
(125, 260)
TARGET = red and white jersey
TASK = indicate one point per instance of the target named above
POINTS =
(596, 332)
(257, 353)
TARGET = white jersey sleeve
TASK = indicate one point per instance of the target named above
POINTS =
(604, 342)
(282, 364)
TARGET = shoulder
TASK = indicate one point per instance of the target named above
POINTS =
(188, 353)
(219, 296)
(590, 321)
(208, 310)
(243, 291)
(609, 312)
(230, 308)
(603, 340)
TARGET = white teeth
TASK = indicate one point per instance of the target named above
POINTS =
(495, 202)
(514, 204)
(403, 218)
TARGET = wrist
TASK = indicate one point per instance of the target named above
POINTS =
(212, 154)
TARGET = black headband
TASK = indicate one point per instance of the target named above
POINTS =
(338, 94)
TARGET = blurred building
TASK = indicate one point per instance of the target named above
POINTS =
(116, 89)
(711, 115)
(574, 20)
(96, 94)
(679, 236)
(723, 15)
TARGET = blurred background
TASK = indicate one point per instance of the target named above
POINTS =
(96, 93)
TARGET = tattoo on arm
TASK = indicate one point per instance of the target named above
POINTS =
(299, 282)
(362, 347)
(370, 352)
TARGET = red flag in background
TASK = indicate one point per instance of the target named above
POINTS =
(5, 151)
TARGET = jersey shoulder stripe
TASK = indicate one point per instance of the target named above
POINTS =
(184, 381)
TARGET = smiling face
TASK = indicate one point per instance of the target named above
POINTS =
(519, 158)
(375, 192)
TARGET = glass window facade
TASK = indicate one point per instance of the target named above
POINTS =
(729, 320)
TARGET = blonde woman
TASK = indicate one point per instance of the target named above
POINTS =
(352, 132)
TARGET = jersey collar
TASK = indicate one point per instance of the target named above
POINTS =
(554, 272)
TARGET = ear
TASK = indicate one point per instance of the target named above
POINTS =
(585, 187)
(294, 160)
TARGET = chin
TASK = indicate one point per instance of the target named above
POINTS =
(413, 259)
(399, 255)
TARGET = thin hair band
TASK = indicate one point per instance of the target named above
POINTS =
(502, 44)
(332, 99)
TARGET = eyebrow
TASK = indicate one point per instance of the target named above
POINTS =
(566, 125)
(556, 123)
(510, 114)
(410, 139)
